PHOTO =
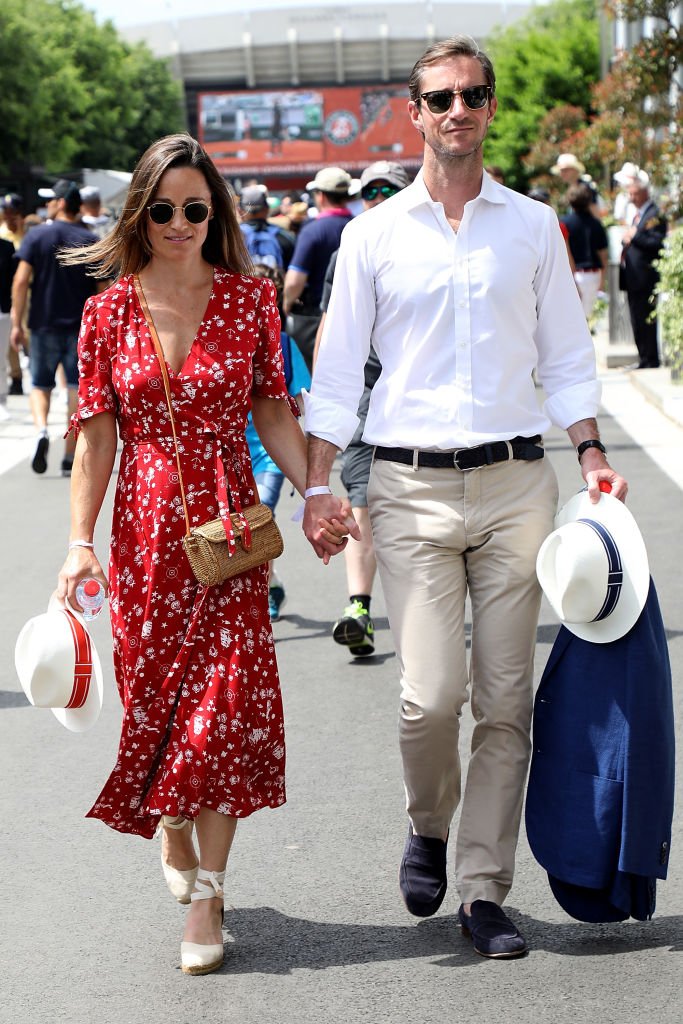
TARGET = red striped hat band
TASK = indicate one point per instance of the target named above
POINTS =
(83, 663)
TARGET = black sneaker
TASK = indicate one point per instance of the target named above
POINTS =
(39, 463)
(16, 387)
(67, 466)
(355, 630)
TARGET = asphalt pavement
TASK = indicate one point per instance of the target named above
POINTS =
(316, 928)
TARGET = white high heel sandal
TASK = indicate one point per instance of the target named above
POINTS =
(196, 958)
(180, 883)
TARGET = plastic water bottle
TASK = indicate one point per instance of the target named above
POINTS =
(90, 596)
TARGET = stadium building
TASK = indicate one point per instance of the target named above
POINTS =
(276, 94)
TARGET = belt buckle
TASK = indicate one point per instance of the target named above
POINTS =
(456, 462)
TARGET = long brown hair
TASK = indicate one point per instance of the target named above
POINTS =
(127, 250)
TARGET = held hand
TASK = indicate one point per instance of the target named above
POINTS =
(80, 564)
(600, 476)
(327, 522)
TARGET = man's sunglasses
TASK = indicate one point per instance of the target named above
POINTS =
(440, 100)
(371, 192)
(195, 212)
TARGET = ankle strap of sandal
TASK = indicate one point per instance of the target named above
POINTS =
(212, 882)
(166, 821)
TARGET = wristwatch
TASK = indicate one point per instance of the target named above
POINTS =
(581, 448)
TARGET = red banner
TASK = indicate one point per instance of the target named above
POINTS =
(299, 130)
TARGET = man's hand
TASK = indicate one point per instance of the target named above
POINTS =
(327, 522)
(17, 338)
(596, 470)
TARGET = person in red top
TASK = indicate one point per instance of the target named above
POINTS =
(202, 737)
(541, 195)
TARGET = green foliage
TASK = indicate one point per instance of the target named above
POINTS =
(638, 111)
(75, 94)
(670, 291)
(547, 60)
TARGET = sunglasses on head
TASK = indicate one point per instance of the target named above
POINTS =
(195, 212)
(440, 100)
(371, 192)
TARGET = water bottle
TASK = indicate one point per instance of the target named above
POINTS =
(90, 596)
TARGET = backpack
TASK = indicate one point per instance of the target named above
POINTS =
(262, 244)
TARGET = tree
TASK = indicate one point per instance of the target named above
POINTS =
(637, 109)
(74, 93)
(639, 101)
(547, 60)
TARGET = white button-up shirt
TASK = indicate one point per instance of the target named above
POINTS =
(459, 322)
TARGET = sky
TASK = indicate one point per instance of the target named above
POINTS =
(136, 12)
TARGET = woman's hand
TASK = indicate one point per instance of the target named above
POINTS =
(81, 564)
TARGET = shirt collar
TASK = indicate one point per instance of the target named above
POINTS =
(417, 194)
(334, 211)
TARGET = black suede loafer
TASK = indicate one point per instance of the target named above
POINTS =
(492, 932)
(422, 876)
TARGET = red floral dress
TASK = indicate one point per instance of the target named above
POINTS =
(195, 666)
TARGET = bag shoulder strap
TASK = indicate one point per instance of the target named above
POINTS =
(167, 387)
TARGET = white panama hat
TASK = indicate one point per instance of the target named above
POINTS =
(58, 666)
(593, 568)
(627, 173)
(565, 161)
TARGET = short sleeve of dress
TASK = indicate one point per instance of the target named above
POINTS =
(269, 374)
(95, 388)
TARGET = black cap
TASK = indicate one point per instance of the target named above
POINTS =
(62, 189)
(12, 201)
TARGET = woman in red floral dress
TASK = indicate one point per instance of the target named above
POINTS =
(202, 739)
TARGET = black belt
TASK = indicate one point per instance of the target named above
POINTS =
(525, 448)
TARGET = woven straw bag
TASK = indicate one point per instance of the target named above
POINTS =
(206, 546)
(207, 549)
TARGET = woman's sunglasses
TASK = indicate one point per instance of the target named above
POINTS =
(195, 212)
(371, 192)
(441, 100)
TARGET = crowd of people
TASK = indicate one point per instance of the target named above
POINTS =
(423, 375)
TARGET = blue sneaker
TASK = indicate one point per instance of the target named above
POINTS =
(276, 599)
(355, 630)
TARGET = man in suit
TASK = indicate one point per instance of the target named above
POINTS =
(642, 243)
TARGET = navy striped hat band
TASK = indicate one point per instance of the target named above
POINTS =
(615, 574)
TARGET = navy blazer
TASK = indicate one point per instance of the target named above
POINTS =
(599, 803)
(636, 274)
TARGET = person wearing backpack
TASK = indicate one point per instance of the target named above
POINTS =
(267, 243)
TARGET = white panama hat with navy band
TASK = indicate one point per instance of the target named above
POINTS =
(594, 569)
(58, 666)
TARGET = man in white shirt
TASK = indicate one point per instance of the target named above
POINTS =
(464, 289)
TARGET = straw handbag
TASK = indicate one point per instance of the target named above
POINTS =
(256, 535)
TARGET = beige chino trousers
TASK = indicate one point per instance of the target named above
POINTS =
(440, 534)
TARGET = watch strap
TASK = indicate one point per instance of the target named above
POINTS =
(585, 445)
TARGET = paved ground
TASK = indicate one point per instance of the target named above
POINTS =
(318, 930)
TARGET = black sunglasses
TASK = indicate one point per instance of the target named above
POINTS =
(371, 192)
(440, 100)
(195, 212)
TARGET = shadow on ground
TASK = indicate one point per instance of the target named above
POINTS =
(265, 941)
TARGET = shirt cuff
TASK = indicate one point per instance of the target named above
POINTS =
(326, 419)
(578, 402)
